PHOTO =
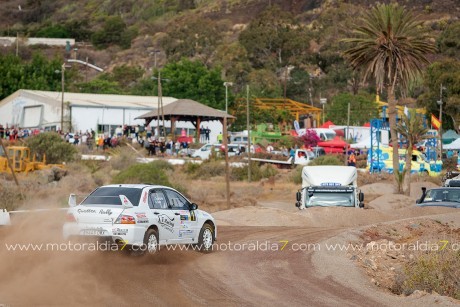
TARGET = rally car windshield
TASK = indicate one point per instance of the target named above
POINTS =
(111, 196)
(331, 200)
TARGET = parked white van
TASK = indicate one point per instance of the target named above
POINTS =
(325, 134)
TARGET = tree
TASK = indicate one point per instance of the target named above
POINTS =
(447, 73)
(389, 47)
(363, 108)
(193, 80)
(310, 138)
(412, 130)
(274, 39)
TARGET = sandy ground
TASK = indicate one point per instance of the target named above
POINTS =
(266, 263)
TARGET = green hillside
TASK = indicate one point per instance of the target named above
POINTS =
(276, 47)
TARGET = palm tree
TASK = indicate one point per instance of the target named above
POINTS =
(412, 130)
(389, 47)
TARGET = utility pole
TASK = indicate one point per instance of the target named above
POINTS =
(62, 96)
(227, 169)
(440, 120)
(347, 133)
(249, 133)
(160, 105)
(227, 84)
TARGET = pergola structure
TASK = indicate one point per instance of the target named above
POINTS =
(186, 110)
(294, 107)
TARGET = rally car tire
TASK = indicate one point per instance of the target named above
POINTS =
(151, 241)
(206, 238)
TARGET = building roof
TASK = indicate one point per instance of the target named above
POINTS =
(187, 110)
(92, 100)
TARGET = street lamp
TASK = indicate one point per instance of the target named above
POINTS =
(323, 102)
(155, 52)
(62, 71)
(227, 84)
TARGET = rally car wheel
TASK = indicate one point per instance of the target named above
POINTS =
(151, 241)
(206, 238)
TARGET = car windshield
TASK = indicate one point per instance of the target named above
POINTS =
(110, 196)
(439, 195)
(331, 200)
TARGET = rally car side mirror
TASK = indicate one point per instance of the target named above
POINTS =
(193, 206)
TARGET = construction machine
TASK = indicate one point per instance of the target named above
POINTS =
(22, 161)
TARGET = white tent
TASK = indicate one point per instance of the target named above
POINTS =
(454, 145)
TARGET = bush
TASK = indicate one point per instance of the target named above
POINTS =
(153, 173)
(122, 158)
(53, 146)
(296, 175)
(10, 196)
(258, 172)
(209, 169)
(191, 168)
(328, 160)
(436, 271)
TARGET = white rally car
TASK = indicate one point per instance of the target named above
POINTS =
(141, 216)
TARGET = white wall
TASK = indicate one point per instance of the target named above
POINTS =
(12, 113)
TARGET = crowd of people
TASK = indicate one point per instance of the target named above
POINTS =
(14, 133)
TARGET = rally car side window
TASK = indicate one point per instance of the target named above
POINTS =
(157, 200)
(176, 201)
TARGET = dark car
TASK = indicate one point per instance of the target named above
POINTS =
(440, 197)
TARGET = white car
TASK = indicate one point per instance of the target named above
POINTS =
(205, 151)
(140, 216)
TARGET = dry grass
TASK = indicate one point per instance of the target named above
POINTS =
(432, 272)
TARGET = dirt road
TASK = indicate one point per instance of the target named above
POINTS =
(225, 277)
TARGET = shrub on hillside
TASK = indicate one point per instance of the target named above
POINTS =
(258, 172)
(296, 175)
(328, 160)
(433, 272)
(53, 146)
(153, 173)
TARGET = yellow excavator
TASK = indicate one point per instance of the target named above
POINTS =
(22, 162)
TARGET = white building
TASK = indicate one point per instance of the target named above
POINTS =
(100, 112)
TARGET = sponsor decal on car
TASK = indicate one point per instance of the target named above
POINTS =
(141, 218)
(192, 216)
(166, 222)
(107, 211)
(183, 233)
(330, 184)
(184, 217)
(86, 211)
(144, 198)
(120, 231)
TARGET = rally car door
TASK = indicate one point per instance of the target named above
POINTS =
(188, 223)
(167, 221)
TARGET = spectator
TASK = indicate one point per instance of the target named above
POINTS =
(219, 138)
(119, 131)
(176, 148)
(352, 159)
(2, 132)
(207, 132)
